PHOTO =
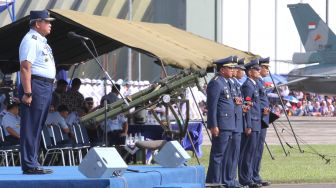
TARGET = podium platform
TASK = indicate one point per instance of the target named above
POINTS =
(70, 177)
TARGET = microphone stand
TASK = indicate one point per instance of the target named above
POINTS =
(107, 76)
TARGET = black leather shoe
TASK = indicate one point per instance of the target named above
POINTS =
(264, 183)
(254, 185)
(239, 185)
(37, 170)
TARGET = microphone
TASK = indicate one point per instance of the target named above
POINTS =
(73, 35)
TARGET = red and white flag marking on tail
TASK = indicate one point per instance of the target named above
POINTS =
(312, 25)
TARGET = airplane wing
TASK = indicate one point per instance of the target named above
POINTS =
(275, 95)
(305, 77)
(292, 82)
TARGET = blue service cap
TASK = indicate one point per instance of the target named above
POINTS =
(240, 64)
(253, 64)
(40, 15)
(264, 61)
(227, 62)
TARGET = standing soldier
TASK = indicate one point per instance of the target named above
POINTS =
(250, 91)
(234, 146)
(265, 110)
(37, 68)
(221, 120)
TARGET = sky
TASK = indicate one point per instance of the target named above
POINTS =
(235, 28)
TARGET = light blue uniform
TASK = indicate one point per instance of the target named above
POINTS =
(55, 118)
(34, 48)
(3, 113)
(11, 120)
(72, 118)
(114, 124)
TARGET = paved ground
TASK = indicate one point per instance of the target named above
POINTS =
(304, 186)
(312, 130)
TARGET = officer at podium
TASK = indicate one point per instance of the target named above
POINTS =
(37, 68)
(221, 121)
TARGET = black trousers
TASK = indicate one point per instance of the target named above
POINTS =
(12, 140)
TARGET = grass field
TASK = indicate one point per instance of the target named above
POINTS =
(296, 168)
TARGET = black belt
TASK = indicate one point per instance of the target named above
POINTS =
(50, 80)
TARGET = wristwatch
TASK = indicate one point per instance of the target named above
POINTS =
(28, 94)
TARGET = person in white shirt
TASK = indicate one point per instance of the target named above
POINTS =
(117, 127)
(11, 124)
(58, 119)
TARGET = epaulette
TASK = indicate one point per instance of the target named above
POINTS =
(34, 37)
(215, 78)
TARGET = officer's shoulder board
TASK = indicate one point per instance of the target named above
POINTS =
(34, 37)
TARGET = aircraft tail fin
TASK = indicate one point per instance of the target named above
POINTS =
(314, 32)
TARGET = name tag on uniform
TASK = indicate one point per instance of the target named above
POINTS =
(45, 51)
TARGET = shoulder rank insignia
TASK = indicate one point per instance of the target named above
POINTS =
(215, 78)
(34, 37)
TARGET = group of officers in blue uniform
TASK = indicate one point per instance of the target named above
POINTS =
(238, 117)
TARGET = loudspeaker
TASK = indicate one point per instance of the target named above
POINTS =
(102, 162)
(171, 155)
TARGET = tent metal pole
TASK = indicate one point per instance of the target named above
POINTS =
(163, 68)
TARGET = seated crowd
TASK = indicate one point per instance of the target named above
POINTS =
(70, 105)
(67, 106)
(307, 104)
